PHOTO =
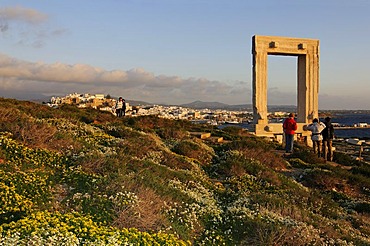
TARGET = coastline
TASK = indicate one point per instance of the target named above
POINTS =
(340, 143)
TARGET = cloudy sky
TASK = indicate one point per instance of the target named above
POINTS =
(179, 51)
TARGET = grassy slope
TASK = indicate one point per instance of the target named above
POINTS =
(150, 174)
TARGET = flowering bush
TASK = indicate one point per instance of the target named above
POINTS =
(76, 229)
(12, 205)
(93, 138)
(21, 193)
(201, 209)
(25, 157)
(100, 206)
(23, 189)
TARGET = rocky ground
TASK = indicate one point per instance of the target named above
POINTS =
(361, 152)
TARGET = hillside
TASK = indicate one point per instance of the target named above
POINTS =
(84, 177)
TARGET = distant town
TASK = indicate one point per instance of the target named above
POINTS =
(205, 115)
(107, 103)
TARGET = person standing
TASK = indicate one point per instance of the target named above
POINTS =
(316, 128)
(289, 127)
(327, 141)
(119, 107)
(124, 107)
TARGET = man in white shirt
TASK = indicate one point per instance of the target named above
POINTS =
(316, 128)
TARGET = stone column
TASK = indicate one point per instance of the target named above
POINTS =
(260, 87)
(302, 89)
(308, 87)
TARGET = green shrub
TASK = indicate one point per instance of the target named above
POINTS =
(344, 159)
(362, 169)
(362, 207)
(320, 179)
(298, 163)
(195, 149)
(307, 156)
(257, 149)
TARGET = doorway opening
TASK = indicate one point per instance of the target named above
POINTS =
(281, 86)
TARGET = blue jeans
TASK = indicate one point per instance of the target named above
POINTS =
(289, 139)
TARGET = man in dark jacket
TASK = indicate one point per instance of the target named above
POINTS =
(124, 107)
(289, 127)
(327, 142)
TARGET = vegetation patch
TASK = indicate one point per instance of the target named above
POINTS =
(84, 177)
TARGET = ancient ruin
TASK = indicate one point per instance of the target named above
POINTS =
(307, 53)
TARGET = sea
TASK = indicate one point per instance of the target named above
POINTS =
(343, 119)
(350, 119)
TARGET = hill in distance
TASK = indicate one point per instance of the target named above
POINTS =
(39, 98)
(241, 107)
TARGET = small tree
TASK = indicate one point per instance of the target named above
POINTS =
(108, 97)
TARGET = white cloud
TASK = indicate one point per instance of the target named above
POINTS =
(137, 83)
(349, 101)
(23, 78)
(19, 13)
(26, 26)
(275, 96)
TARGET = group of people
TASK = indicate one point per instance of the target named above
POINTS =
(322, 136)
(120, 107)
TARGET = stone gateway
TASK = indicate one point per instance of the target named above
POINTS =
(307, 53)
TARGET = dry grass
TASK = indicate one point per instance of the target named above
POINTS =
(236, 170)
(274, 236)
(8, 114)
(94, 165)
(34, 134)
(25, 128)
(268, 158)
(146, 215)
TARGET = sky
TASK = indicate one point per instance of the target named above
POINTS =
(179, 51)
